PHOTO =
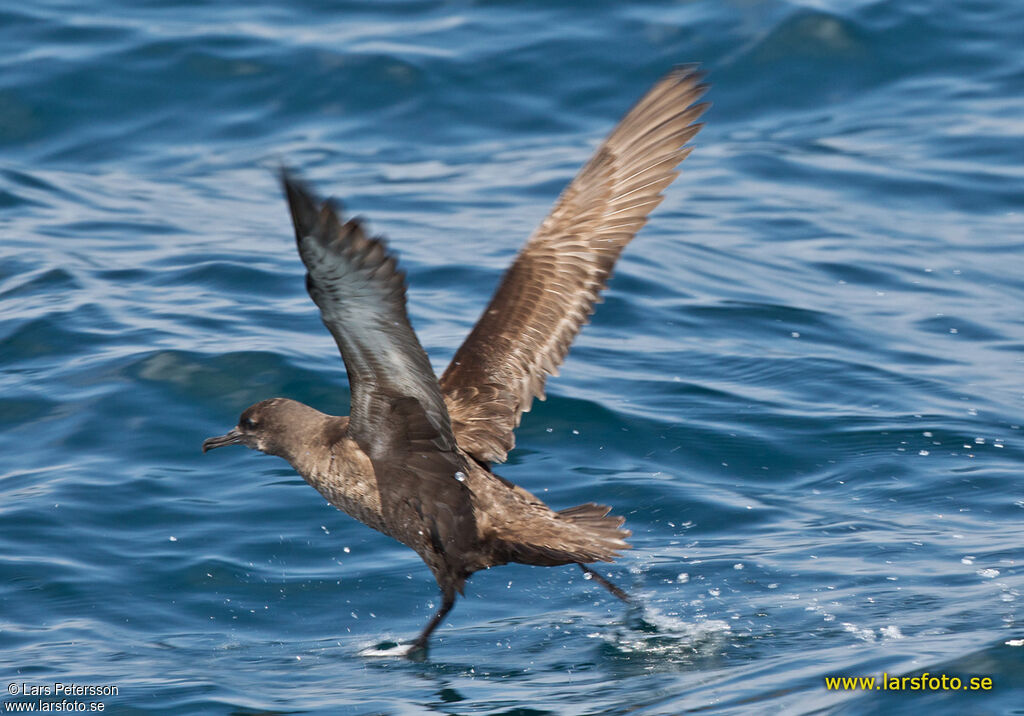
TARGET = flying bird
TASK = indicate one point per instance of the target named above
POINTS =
(413, 459)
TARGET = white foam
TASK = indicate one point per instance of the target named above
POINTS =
(670, 635)
(398, 650)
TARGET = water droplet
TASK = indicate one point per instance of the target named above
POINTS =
(988, 573)
(683, 578)
(588, 575)
(738, 565)
(460, 476)
(172, 538)
(346, 550)
(923, 452)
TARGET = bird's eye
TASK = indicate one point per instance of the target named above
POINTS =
(248, 423)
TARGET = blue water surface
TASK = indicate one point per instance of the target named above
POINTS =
(804, 389)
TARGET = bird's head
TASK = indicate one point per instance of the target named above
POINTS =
(278, 426)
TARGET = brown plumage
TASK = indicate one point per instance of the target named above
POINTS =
(549, 291)
(413, 458)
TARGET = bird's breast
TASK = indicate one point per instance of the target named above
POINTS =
(344, 475)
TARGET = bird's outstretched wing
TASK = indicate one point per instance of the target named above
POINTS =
(398, 417)
(549, 291)
(361, 295)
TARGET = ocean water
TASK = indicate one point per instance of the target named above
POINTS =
(804, 389)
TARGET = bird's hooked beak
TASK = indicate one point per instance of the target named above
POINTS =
(232, 438)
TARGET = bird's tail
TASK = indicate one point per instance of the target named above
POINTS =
(604, 530)
(581, 534)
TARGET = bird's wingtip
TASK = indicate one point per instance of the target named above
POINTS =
(690, 72)
(302, 202)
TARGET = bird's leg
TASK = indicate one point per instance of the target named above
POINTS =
(448, 601)
(603, 581)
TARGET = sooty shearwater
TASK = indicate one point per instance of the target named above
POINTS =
(413, 459)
